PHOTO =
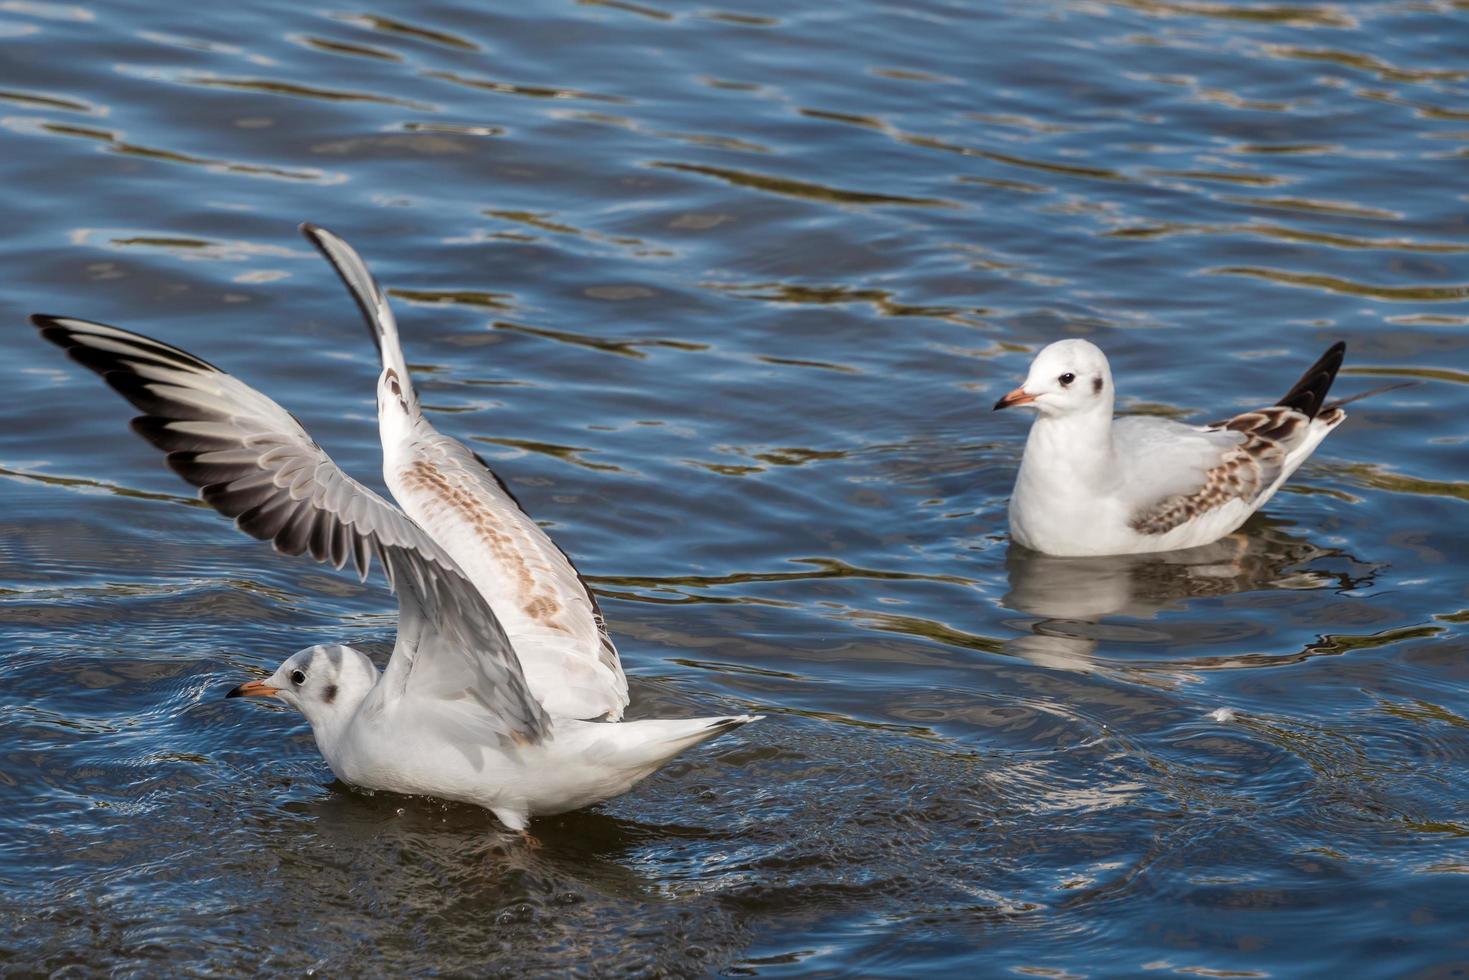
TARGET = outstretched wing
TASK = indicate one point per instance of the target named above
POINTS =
(252, 461)
(545, 605)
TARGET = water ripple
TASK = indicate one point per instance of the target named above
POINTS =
(725, 296)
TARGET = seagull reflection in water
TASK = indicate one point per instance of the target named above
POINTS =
(1079, 604)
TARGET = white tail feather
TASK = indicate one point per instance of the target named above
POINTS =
(640, 747)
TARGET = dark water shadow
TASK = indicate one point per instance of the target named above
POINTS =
(589, 848)
(414, 879)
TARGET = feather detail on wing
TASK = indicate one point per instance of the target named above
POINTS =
(545, 606)
(252, 461)
(543, 602)
(1263, 450)
(1243, 471)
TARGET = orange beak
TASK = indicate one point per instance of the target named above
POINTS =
(1016, 397)
(253, 689)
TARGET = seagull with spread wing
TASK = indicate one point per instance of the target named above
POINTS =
(502, 661)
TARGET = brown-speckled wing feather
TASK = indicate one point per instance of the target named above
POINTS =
(1243, 472)
(252, 461)
(1253, 465)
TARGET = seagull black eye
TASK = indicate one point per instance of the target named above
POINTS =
(298, 677)
(1067, 378)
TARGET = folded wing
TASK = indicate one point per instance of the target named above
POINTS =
(1195, 470)
(1244, 458)
(252, 461)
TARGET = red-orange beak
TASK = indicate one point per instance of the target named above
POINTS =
(253, 689)
(1016, 397)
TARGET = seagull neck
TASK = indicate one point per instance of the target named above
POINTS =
(329, 728)
(1079, 444)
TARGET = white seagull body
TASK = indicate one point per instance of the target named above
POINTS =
(501, 651)
(1090, 484)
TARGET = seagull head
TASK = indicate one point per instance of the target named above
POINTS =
(1066, 378)
(326, 683)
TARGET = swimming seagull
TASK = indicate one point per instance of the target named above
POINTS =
(457, 713)
(1093, 485)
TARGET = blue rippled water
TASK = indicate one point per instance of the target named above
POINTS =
(725, 293)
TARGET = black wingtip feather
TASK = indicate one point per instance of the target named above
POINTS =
(232, 501)
(50, 325)
(160, 432)
(1309, 393)
(56, 330)
(201, 474)
(135, 390)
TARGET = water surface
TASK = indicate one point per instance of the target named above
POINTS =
(725, 294)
